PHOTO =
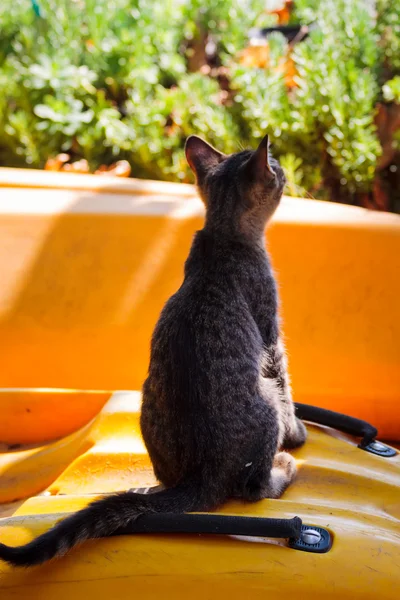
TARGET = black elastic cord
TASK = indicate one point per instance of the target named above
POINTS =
(214, 524)
(344, 423)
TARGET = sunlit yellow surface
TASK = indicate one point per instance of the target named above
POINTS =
(74, 464)
(86, 265)
(30, 415)
(354, 494)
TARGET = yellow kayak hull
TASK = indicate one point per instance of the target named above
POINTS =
(86, 264)
(354, 494)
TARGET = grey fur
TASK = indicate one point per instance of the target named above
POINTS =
(217, 400)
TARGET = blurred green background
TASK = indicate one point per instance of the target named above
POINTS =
(106, 80)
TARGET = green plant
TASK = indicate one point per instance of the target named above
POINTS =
(110, 79)
(338, 90)
(292, 165)
(388, 26)
(391, 90)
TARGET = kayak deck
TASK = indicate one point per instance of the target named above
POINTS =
(352, 493)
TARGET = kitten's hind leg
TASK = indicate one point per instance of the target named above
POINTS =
(295, 434)
(275, 369)
(281, 475)
(268, 472)
(270, 483)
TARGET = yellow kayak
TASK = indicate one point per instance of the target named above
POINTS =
(346, 494)
(86, 264)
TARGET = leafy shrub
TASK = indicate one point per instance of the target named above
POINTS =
(111, 79)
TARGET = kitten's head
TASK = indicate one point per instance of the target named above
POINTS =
(240, 191)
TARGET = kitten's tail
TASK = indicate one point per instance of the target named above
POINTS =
(103, 518)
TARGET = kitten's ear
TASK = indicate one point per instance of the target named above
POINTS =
(260, 159)
(201, 156)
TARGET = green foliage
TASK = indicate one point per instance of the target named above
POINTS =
(103, 78)
(108, 79)
(338, 90)
(227, 21)
(391, 90)
(292, 165)
(306, 11)
(388, 26)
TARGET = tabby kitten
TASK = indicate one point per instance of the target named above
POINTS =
(216, 406)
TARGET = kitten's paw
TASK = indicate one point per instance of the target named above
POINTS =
(282, 474)
(285, 462)
(296, 436)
